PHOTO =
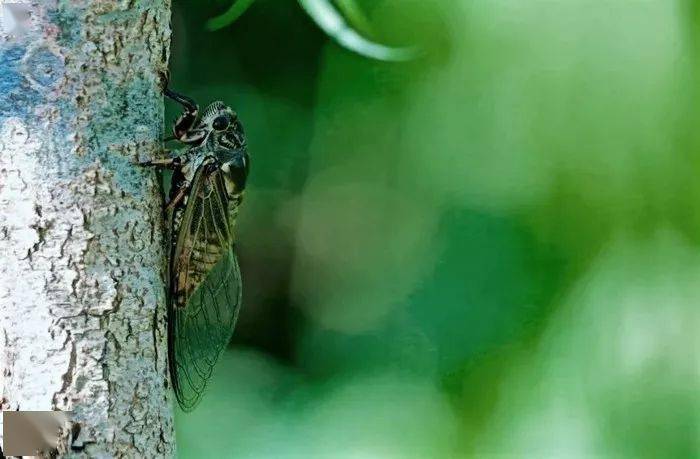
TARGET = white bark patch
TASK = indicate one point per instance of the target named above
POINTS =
(82, 300)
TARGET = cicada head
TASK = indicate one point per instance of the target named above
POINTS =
(227, 140)
(225, 129)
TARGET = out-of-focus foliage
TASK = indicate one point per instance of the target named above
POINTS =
(340, 19)
(235, 11)
(491, 250)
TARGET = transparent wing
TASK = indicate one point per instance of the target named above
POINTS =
(205, 287)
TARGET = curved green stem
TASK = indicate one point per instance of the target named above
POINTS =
(234, 12)
(329, 19)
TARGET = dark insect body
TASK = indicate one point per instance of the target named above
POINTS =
(204, 291)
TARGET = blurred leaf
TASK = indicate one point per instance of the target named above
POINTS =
(330, 20)
(615, 373)
(352, 12)
(234, 12)
(334, 24)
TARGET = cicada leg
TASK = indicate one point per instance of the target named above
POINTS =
(181, 193)
(183, 129)
(166, 163)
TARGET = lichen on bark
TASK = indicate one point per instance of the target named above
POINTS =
(82, 302)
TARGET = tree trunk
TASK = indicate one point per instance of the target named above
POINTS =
(82, 299)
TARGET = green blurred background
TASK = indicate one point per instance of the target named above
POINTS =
(492, 250)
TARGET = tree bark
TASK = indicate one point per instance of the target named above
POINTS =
(82, 298)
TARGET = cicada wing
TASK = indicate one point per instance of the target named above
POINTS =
(200, 331)
(205, 290)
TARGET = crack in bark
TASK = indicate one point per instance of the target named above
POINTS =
(154, 332)
(67, 376)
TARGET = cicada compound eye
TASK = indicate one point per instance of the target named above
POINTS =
(221, 123)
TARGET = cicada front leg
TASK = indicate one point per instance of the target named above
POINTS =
(184, 129)
(165, 163)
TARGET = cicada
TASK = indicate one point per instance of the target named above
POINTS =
(204, 287)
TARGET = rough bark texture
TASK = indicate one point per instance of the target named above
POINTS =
(82, 302)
